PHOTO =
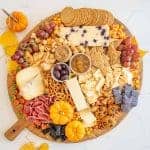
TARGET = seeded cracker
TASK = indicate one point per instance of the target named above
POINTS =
(67, 15)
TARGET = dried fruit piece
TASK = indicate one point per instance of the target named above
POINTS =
(61, 112)
(20, 24)
(75, 131)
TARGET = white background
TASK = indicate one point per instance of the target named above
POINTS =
(133, 133)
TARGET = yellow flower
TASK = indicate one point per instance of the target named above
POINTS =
(9, 42)
(11, 65)
(44, 146)
(28, 146)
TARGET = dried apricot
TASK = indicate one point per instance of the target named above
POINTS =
(75, 131)
(61, 112)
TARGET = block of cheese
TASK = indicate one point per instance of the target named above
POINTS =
(88, 118)
(80, 102)
(76, 93)
(30, 82)
(86, 35)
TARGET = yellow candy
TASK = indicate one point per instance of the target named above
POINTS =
(11, 65)
(9, 42)
(44, 146)
(28, 146)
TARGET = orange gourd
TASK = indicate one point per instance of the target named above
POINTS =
(61, 112)
(20, 24)
(75, 131)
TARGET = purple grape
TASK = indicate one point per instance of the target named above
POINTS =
(65, 77)
(58, 67)
(20, 53)
(24, 64)
(21, 61)
(52, 25)
(35, 48)
(57, 74)
(125, 107)
(64, 72)
(16, 56)
(63, 66)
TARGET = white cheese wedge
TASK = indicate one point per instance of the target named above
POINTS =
(88, 118)
(30, 82)
(76, 93)
(86, 35)
(128, 75)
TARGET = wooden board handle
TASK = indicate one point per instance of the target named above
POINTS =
(15, 130)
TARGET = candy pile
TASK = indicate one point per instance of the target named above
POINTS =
(126, 96)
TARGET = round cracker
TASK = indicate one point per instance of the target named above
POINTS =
(67, 15)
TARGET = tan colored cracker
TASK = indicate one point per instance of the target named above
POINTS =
(84, 15)
(90, 16)
(67, 15)
(114, 55)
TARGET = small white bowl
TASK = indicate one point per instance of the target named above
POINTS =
(76, 56)
(52, 71)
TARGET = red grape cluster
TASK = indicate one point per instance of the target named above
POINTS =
(129, 53)
(18, 57)
(45, 31)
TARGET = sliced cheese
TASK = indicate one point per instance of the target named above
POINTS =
(88, 118)
(76, 93)
(80, 102)
(30, 82)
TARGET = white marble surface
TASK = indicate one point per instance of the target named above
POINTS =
(133, 133)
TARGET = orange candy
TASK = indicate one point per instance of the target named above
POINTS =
(75, 131)
(20, 24)
(61, 112)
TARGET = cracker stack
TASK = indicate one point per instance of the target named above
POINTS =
(86, 16)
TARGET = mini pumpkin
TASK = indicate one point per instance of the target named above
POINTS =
(20, 24)
(61, 112)
(75, 131)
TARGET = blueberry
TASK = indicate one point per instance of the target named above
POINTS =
(66, 36)
(116, 91)
(103, 32)
(94, 40)
(84, 31)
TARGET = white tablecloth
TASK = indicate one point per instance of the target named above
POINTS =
(133, 133)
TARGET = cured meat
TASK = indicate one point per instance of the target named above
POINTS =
(37, 110)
